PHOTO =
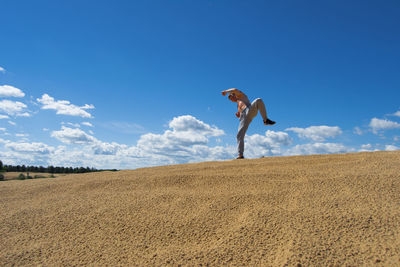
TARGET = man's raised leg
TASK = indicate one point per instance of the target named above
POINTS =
(259, 103)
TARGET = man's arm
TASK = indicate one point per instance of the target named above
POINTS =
(233, 91)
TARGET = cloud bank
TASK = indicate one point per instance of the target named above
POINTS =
(186, 139)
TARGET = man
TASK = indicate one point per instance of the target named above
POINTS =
(246, 113)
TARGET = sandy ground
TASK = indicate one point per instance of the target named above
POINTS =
(328, 210)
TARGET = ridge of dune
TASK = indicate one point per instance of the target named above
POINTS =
(320, 210)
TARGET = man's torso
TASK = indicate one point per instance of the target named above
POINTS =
(244, 99)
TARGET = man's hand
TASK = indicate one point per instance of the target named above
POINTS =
(237, 114)
(224, 93)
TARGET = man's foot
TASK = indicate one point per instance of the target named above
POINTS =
(240, 157)
(269, 122)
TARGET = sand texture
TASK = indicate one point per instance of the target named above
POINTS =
(325, 210)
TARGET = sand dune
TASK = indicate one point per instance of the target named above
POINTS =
(341, 209)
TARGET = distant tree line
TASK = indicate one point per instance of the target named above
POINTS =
(48, 169)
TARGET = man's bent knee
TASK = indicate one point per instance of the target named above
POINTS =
(258, 100)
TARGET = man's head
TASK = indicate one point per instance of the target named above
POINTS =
(232, 97)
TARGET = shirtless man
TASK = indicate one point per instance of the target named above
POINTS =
(246, 113)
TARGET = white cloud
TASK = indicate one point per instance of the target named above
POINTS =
(86, 123)
(38, 148)
(102, 148)
(187, 123)
(318, 148)
(73, 136)
(3, 129)
(170, 142)
(391, 148)
(64, 107)
(317, 133)
(379, 124)
(21, 135)
(185, 141)
(397, 113)
(4, 117)
(266, 145)
(13, 108)
(12, 123)
(75, 157)
(10, 91)
(2, 70)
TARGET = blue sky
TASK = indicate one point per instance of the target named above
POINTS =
(128, 84)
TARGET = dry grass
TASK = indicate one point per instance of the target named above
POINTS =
(341, 209)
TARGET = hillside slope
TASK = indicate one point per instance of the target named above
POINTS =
(341, 209)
